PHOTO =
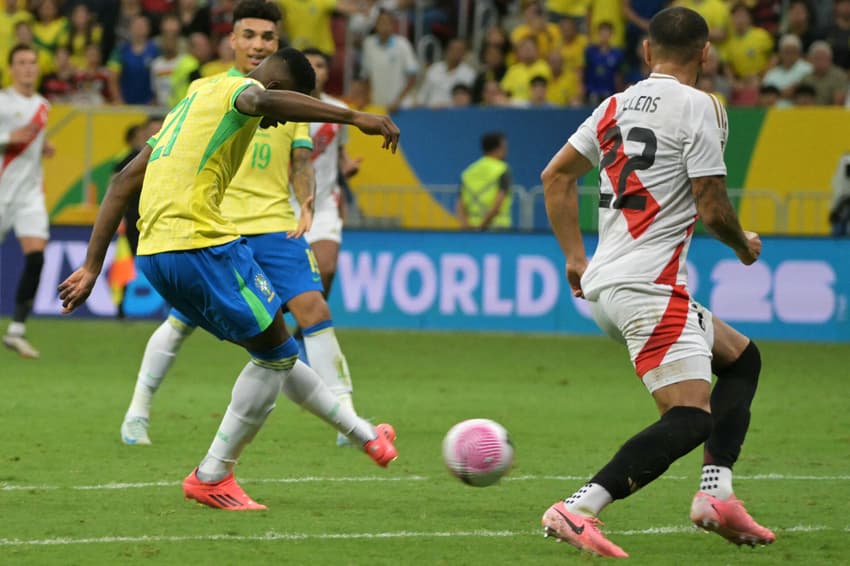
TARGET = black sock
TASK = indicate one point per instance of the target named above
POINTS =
(649, 453)
(730, 407)
(28, 285)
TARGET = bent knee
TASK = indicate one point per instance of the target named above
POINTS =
(309, 309)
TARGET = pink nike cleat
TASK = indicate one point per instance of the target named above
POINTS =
(729, 519)
(580, 531)
(381, 449)
(223, 494)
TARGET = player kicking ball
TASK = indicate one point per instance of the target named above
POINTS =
(196, 259)
(258, 203)
(659, 148)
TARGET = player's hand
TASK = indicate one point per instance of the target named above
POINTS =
(76, 289)
(575, 269)
(377, 125)
(304, 221)
(753, 251)
(351, 167)
(23, 135)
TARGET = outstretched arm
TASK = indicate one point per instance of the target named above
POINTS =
(289, 106)
(560, 191)
(128, 182)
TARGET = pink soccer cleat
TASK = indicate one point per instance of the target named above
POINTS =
(223, 494)
(580, 531)
(729, 519)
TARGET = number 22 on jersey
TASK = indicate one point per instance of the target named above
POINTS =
(629, 194)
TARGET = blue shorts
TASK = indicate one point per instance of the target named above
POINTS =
(221, 289)
(289, 262)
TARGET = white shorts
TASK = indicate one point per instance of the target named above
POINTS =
(669, 335)
(26, 213)
(327, 225)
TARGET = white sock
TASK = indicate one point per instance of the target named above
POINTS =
(160, 352)
(305, 388)
(252, 400)
(17, 329)
(716, 481)
(327, 359)
(590, 500)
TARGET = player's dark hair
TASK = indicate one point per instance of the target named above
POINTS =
(258, 9)
(605, 25)
(17, 49)
(299, 67)
(678, 33)
(538, 80)
(318, 52)
(492, 141)
(769, 89)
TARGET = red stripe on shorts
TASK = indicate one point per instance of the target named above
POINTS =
(665, 333)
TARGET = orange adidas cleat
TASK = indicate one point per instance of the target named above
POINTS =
(223, 494)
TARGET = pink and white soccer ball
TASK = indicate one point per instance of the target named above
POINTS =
(478, 452)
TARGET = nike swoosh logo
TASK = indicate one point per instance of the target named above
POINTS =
(576, 529)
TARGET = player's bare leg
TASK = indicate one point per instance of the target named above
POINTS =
(327, 255)
(313, 316)
(15, 338)
(737, 364)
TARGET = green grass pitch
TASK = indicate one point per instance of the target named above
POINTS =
(71, 493)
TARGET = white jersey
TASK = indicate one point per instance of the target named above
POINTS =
(328, 138)
(648, 142)
(20, 169)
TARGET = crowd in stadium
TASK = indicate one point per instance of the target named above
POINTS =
(552, 53)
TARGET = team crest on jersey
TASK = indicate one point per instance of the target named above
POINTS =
(263, 285)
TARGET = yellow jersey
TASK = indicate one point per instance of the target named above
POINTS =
(570, 8)
(307, 23)
(546, 40)
(517, 79)
(258, 198)
(610, 11)
(195, 155)
(748, 54)
(715, 12)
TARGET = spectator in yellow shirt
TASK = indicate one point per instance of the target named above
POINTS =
(576, 10)
(307, 23)
(83, 31)
(545, 34)
(50, 29)
(9, 18)
(716, 15)
(529, 65)
(748, 49)
(610, 11)
(565, 87)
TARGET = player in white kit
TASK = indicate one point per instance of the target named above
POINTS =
(659, 148)
(23, 119)
(329, 161)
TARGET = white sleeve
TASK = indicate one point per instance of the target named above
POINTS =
(705, 134)
(584, 139)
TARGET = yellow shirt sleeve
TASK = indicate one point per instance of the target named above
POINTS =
(301, 136)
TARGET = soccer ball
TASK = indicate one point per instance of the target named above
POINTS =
(478, 452)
